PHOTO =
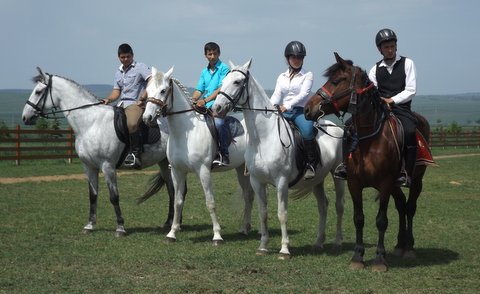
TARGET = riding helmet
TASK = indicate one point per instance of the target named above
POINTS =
(295, 48)
(385, 35)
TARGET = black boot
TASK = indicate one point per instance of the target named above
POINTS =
(341, 170)
(406, 174)
(133, 158)
(310, 146)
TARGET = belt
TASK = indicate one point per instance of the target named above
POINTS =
(129, 99)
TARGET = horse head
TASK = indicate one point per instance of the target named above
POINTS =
(158, 92)
(339, 94)
(233, 89)
(38, 103)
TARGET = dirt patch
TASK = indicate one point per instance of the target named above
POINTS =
(62, 177)
(83, 177)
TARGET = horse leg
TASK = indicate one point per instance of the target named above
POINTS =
(248, 195)
(206, 180)
(261, 192)
(359, 221)
(179, 184)
(339, 208)
(167, 176)
(282, 212)
(322, 206)
(380, 263)
(415, 190)
(92, 176)
(400, 205)
(110, 175)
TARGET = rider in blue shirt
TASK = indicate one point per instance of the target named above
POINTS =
(207, 90)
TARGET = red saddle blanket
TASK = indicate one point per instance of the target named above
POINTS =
(424, 155)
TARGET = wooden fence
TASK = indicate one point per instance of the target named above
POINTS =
(29, 144)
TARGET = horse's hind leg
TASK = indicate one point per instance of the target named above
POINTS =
(380, 263)
(92, 177)
(415, 190)
(322, 206)
(339, 208)
(111, 179)
(400, 205)
(167, 177)
(248, 195)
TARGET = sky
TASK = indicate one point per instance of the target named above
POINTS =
(79, 39)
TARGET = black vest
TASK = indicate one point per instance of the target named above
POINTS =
(390, 85)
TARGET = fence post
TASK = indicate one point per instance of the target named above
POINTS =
(17, 144)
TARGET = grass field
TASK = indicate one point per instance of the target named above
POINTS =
(43, 250)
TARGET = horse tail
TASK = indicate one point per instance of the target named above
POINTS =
(157, 182)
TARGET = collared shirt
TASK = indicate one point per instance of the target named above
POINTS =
(292, 92)
(131, 82)
(410, 79)
(211, 80)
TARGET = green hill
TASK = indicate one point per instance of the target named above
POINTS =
(463, 109)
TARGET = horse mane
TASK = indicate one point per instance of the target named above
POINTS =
(329, 72)
(181, 86)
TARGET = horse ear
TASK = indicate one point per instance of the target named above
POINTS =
(230, 64)
(340, 60)
(169, 72)
(247, 65)
(41, 73)
(154, 71)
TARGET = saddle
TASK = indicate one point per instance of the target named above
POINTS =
(233, 125)
(300, 155)
(148, 135)
(424, 154)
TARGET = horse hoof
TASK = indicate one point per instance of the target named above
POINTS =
(120, 234)
(171, 240)
(379, 268)
(398, 252)
(261, 252)
(317, 248)
(357, 265)
(218, 242)
(410, 254)
(284, 256)
(87, 231)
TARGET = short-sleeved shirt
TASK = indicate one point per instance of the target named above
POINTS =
(211, 80)
(131, 82)
(292, 92)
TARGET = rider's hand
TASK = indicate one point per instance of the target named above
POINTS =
(200, 102)
(105, 101)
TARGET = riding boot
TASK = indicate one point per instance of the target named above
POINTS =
(341, 170)
(133, 158)
(222, 157)
(310, 146)
(410, 160)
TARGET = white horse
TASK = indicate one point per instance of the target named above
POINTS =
(191, 148)
(270, 155)
(96, 141)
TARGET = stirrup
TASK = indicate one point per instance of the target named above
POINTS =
(340, 172)
(309, 172)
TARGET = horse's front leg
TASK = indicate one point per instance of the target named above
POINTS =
(380, 263)
(261, 192)
(92, 178)
(248, 195)
(359, 221)
(179, 184)
(282, 212)
(110, 174)
(206, 181)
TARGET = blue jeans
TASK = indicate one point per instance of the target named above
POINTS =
(305, 126)
(222, 135)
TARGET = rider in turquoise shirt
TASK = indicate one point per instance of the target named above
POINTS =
(207, 90)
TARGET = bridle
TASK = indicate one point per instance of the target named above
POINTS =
(328, 98)
(162, 110)
(40, 105)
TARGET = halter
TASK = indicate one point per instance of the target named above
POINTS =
(39, 110)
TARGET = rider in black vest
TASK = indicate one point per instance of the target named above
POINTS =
(395, 78)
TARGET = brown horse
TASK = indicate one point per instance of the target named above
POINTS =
(376, 162)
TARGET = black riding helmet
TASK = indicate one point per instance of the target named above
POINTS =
(295, 48)
(385, 35)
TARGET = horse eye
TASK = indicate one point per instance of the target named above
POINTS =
(163, 91)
